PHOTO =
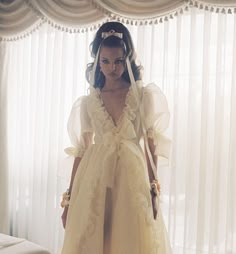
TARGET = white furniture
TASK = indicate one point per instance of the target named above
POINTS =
(13, 245)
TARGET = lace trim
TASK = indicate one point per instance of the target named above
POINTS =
(118, 123)
(97, 108)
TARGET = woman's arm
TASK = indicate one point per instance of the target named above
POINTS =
(87, 137)
(152, 148)
(74, 170)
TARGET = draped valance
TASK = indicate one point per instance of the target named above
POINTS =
(20, 17)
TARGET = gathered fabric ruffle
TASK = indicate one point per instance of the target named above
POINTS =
(156, 118)
(89, 114)
(96, 107)
(161, 142)
(117, 162)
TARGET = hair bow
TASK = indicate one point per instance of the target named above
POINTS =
(111, 33)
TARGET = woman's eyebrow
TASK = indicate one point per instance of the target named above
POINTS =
(118, 58)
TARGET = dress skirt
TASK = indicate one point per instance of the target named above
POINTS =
(110, 208)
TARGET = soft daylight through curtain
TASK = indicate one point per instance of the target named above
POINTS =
(192, 57)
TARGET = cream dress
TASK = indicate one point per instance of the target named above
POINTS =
(110, 209)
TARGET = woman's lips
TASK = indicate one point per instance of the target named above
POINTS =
(112, 74)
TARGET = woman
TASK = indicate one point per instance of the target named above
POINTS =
(112, 202)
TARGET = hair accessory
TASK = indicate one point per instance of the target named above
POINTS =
(112, 33)
(104, 36)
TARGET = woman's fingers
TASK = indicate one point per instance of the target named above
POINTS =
(154, 207)
(64, 216)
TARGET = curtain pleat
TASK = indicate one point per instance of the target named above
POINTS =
(23, 17)
(202, 182)
(4, 208)
(231, 173)
(43, 81)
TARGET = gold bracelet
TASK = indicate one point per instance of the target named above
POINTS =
(65, 199)
(155, 187)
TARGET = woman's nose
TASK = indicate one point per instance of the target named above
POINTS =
(113, 66)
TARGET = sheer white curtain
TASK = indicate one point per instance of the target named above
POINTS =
(3, 141)
(193, 59)
(45, 75)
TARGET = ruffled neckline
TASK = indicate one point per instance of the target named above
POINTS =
(129, 110)
(118, 122)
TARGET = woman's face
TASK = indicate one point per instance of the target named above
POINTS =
(112, 63)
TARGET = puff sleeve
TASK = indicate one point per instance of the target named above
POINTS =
(79, 128)
(156, 118)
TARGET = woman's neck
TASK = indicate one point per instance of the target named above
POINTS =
(115, 85)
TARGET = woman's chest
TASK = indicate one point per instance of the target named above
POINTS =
(114, 105)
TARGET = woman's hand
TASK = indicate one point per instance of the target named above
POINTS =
(154, 206)
(155, 192)
(64, 216)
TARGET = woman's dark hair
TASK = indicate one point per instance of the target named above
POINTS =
(112, 41)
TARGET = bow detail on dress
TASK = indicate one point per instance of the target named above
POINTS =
(117, 137)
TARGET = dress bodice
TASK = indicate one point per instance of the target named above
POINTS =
(89, 115)
(105, 130)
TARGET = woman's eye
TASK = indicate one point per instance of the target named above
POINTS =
(105, 61)
(120, 61)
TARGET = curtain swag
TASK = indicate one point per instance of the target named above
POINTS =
(22, 17)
